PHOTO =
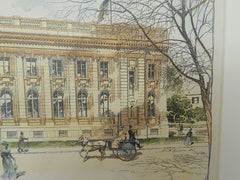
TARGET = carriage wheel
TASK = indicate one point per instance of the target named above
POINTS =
(127, 152)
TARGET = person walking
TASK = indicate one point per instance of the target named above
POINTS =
(188, 140)
(8, 163)
(21, 142)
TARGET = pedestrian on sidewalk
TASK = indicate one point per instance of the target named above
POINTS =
(21, 142)
(188, 140)
(8, 163)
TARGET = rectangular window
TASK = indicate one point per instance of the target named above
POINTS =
(11, 134)
(37, 134)
(63, 133)
(87, 132)
(57, 69)
(195, 100)
(154, 131)
(151, 71)
(31, 66)
(81, 69)
(4, 66)
(131, 82)
(108, 132)
(104, 69)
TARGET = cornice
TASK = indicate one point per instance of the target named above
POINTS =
(76, 53)
(74, 42)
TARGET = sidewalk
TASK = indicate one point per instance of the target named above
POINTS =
(48, 150)
(147, 147)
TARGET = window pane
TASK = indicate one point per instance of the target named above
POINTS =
(33, 105)
(81, 68)
(131, 81)
(6, 105)
(11, 134)
(5, 66)
(104, 69)
(58, 104)
(82, 104)
(63, 133)
(37, 134)
(31, 67)
(57, 68)
(104, 105)
(151, 71)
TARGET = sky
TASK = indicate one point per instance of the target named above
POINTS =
(30, 8)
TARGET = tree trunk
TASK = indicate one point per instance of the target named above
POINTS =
(208, 112)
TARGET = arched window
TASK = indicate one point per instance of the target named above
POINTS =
(6, 104)
(151, 104)
(33, 105)
(82, 103)
(58, 103)
(104, 103)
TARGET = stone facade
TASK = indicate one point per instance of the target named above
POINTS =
(60, 79)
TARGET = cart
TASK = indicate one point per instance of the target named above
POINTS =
(125, 149)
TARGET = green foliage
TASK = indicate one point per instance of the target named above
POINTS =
(174, 84)
(179, 109)
(199, 114)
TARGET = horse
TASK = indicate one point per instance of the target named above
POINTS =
(90, 146)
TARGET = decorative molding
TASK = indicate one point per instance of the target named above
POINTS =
(32, 80)
(76, 42)
(83, 82)
(58, 81)
(6, 80)
(105, 82)
(152, 84)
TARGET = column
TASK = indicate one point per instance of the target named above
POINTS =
(124, 90)
(94, 88)
(47, 91)
(72, 92)
(20, 87)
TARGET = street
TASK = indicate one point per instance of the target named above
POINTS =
(165, 161)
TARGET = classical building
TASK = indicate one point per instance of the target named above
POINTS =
(60, 80)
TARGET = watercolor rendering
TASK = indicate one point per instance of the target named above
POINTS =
(106, 89)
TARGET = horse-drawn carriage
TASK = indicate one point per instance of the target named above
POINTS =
(124, 149)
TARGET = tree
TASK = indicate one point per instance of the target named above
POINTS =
(179, 109)
(189, 25)
(199, 114)
(174, 82)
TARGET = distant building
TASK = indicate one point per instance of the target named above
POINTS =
(62, 79)
(194, 95)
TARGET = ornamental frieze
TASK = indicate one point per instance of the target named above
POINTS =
(58, 81)
(6, 80)
(105, 82)
(83, 82)
(152, 84)
(69, 41)
(32, 80)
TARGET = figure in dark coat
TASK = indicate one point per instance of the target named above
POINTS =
(8, 163)
(132, 137)
(21, 142)
(188, 141)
